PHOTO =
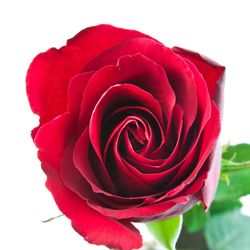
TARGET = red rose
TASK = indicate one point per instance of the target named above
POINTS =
(128, 130)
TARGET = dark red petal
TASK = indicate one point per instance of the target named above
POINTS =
(92, 225)
(114, 97)
(211, 71)
(191, 190)
(204, 108)
(145, 131)
(126, 181)
(50, 72)
(144, 213)
(72, 179)
(93, 170)
(52, 140)
(178, 73)
(194, 162)
(137, 70)
(156, 138)
(211, 183)
(96, 174)
(203, 115)
(158, 164)
(204, 103)
(179, 208)
(149, 76)
(200, 153)
(129, 180)
(173, 136)
(153, 125)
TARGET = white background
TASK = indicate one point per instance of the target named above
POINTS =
(218, 29)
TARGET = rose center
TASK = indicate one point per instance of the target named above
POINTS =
(138, 135)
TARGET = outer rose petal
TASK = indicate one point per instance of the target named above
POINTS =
(54, 135)
(214, 76)
(105, 35)
(211, 71)
(211, 183)
(52, 138)
(48, 78)
(49, 73)
(93, 226)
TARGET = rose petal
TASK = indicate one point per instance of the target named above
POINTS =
(91, 167)
(55, 142)
(178, 73)
(126, 181)
(115, 97)
(102, 37)
(53, 137)
(50, 72)
(72, 179)
(48, 79)
(93, 226)
(149, 212)
(156, 138)
(76, 89)
(126, 176)
(194, 163)
(157, 161)
(84, 219)
(203, 113)
(211, 71)
(137, 70)
(90, 173)
(195, 159)
(211, 183)
(191, 139)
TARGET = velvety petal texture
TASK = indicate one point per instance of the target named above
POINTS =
(128, 130)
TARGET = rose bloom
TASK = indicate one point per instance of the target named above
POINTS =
(128, 130)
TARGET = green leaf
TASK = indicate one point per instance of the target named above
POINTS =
(236, 157)
(195, 218)
(228, 231)
(235, 176)
(221, 207)
(166, 232)
(239, 185)
(237, 153)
